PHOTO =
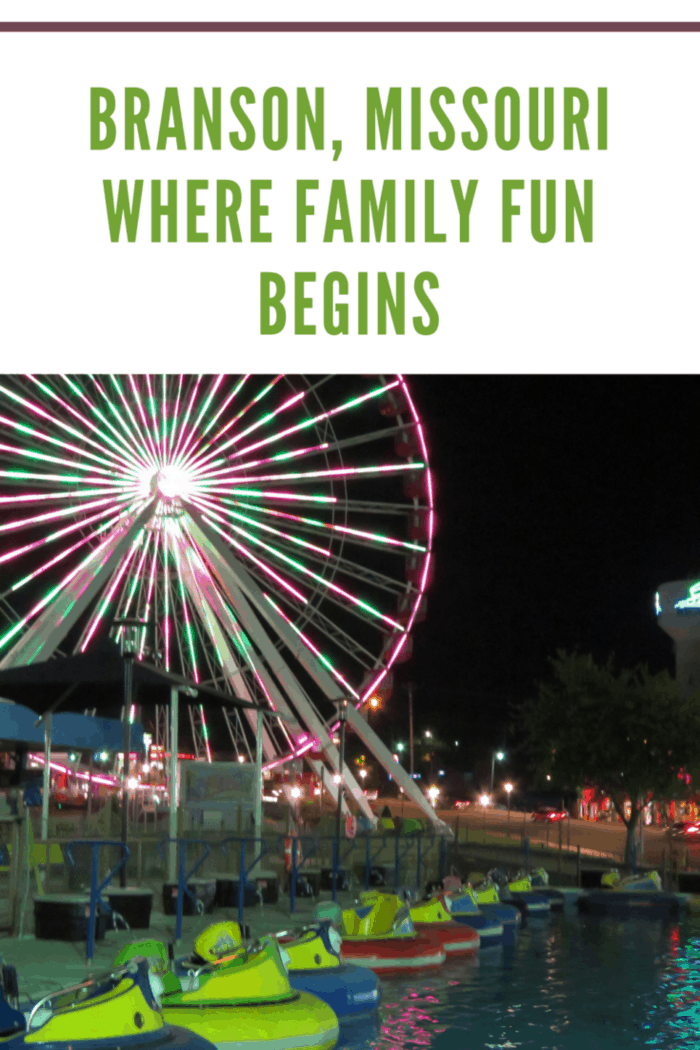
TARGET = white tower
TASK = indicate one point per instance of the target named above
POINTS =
(678, 610)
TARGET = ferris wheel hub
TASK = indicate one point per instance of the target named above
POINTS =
(170, 483)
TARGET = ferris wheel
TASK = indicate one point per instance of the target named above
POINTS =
(272, 533)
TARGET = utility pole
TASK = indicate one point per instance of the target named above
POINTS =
(410, 725)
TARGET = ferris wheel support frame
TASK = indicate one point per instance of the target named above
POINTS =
(39, 642)
(396, 770)
(212, 612)
(233, 581)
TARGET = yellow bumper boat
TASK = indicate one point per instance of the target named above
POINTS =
(242, 1000)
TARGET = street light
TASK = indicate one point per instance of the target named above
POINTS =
(363, 773)
(433, 793)
(484, 800)
(342, 717)
(508, 788)
(295, 792)
(428, 734)
(400, 747)
(495, 755)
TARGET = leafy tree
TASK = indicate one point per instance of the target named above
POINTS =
(629, 732)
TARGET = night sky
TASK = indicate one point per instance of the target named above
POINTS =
(562, 503)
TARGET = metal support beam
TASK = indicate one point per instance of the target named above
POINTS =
(257, 801)
(384, 757)
(229, 569)
(47, 785)
(173, 784)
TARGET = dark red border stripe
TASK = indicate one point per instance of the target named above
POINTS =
(349, 27)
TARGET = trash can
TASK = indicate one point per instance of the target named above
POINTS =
(327, 879)
(65, 917)
(203, 891)
(227, 892)
(133, 903)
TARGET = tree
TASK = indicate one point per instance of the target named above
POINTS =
(630, 732)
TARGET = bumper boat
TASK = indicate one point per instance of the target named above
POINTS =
(243, 1000)
(520, 893)
(312, 956)
(118, 1009)
(463, 908)
(559, 896)
(486, 898)
(636, 895)
(379, 933)
(315, 966)
(432, 916)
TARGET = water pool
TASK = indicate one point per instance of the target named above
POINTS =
(569, 983)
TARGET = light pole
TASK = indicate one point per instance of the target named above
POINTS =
(495, 755)
(508, 788)
(343, 716)
(130, 640)
(410, 725)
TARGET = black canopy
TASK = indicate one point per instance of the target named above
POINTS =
(65, 682)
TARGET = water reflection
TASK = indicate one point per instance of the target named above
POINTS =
(574, 983)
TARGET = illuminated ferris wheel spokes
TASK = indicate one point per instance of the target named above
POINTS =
(278, 545)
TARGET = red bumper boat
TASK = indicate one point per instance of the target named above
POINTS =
(378, 933)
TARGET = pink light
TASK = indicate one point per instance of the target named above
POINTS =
(316, 419)
(309, 644)
(110, 592)
(338, 472)
(261, 462)
(265, 568)
(64, 426)
(186, 417)
(240, 415)
(98, 778)
(142, 413)
(255, 426)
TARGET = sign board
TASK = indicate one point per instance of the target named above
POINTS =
(216, 785)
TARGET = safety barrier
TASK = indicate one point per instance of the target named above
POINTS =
(182, 878)
(95, 887)
(311, 847)
(243, 872)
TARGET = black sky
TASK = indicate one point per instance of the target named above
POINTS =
(562, 503)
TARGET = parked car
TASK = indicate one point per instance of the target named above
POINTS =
(689, 830)
(549, 815)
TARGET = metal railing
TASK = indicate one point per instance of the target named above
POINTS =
(96, 887)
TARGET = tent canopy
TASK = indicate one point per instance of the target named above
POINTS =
(68, 730)
(65, 682)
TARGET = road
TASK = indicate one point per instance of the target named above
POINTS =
(603, 838)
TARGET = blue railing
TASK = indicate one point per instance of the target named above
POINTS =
(182, 877)
(310, 846)
(243, 872)
(95, 887)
